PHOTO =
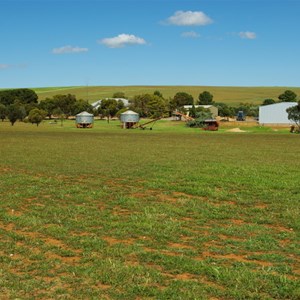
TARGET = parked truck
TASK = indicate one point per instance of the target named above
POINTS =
(240, 116)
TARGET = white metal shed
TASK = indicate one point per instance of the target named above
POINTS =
(275, 113)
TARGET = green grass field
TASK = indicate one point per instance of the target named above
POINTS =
(171, 213)
(229, 95)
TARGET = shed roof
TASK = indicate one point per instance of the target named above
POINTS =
(129, 112)
(280, 104)
(84, 113)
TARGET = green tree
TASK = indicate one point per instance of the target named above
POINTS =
(268, 101)
(201, 115)
(224, 110)
(158, 93)
(24, 96)
(139, 104)
(80, 106)
(59, 114)
(3, 112)
(119, 95)
(14, 113)
(294, 114)
(109, 108)
(156, 107)
(249, 109)
(287, 96)
(65, 103)
(205, 98)
(193, 112)
(36, 116)
(48, 105)
(180, 99)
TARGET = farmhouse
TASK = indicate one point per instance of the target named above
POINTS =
(213, 109)
(98, 102)
(275, 114)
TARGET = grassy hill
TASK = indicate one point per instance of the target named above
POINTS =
(229, 95)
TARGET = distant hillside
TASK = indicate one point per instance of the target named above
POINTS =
(229, 95)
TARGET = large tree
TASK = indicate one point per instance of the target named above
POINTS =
(288, 96)
(65, 103)
(268, 101)
(14, 113)
(181, 99)
(80, 106)
(205, 98)
(48, 105)
(156, 107)
(139, 104)
(294, 114)
(24, 96)
(3, 112)
(109, 108)
(36, 116)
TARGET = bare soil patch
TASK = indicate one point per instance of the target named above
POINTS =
(235, 130)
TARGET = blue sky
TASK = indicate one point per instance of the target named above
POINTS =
(149, 42)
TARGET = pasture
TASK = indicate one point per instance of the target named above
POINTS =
(172, 213)
(229, 95)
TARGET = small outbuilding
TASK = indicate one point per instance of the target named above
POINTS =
(129, 118)
(275, 114)
(211, 125)
(84, 120)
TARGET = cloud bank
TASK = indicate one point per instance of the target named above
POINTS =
(4, 66)
(189, 18)
(247, 35)
(122, 40)
(69, 49)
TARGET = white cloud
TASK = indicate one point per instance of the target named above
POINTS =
(190, 34)
(247, 35)
(4, 66)
(122, 40)
(69, 49)
(189, 18)
(14, 66)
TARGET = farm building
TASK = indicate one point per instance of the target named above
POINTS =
(98, 102)
(129, 118)
(84, 120)
(211, 125)
(275, 114)
(213, 109)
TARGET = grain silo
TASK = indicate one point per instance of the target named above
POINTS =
(84, 120)
(129, 118)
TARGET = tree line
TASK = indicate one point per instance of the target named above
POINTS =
(23, 104)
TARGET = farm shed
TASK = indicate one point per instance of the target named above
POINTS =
(275, 114)
(129, 118)
(84, 120)
(213, 109)
(211, 125)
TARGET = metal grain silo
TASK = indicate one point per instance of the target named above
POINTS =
(129, 118)
(84, 120)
